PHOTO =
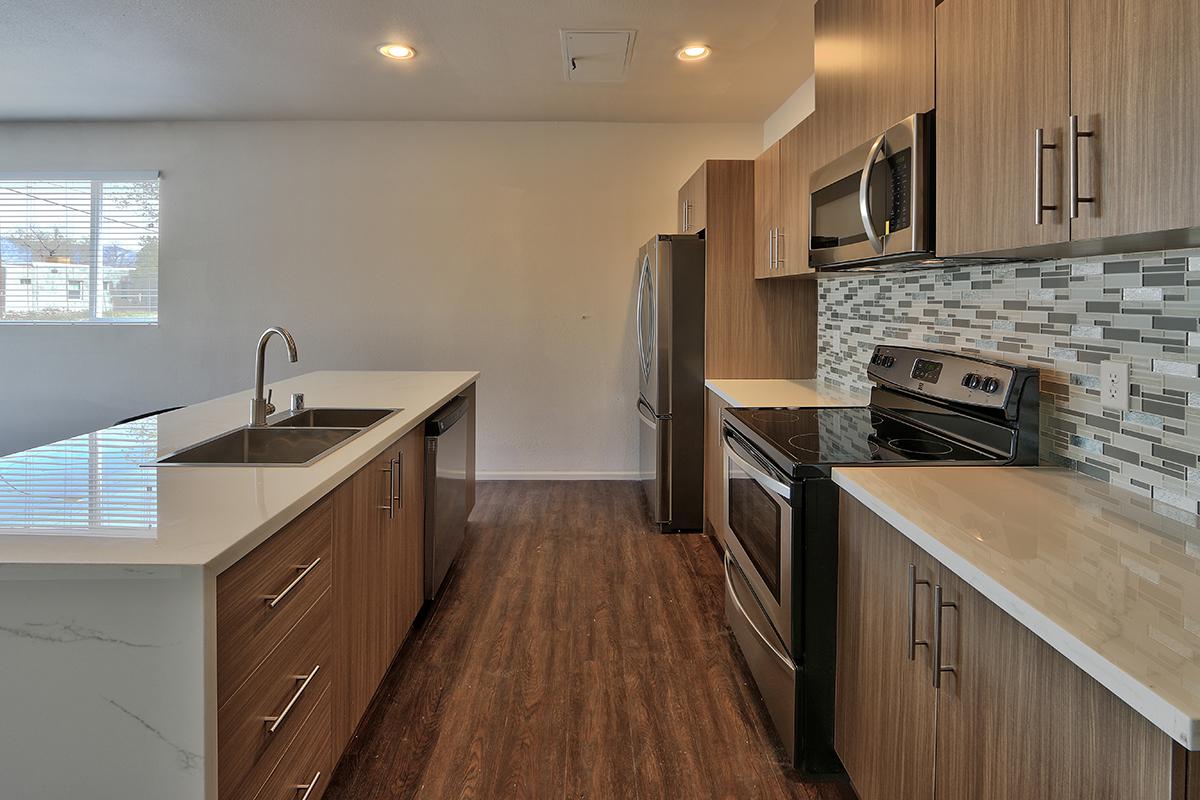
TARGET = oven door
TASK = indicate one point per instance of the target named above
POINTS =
(758, 516)
(871, 205)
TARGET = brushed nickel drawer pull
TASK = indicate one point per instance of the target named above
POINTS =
(274, 601)
(938, 607)
(1039, 175)
(277, 721)
(308, 789)
(913, 641)
(400, 480)
(391, 503)
(1073, 137)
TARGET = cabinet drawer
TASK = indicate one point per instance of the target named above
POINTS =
(256, 725)
(303, 772)
(291, 570)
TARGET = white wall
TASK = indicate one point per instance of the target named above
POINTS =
(802, 102)
(503, 247)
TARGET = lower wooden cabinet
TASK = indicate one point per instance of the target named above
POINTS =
(714, 467)
(885, 700)
(308, 623)
(378, 546)
(1012, 718)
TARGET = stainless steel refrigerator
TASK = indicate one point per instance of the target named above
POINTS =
(670, 341)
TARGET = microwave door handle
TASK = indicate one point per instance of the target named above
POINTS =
(778, 488)
(864, 194)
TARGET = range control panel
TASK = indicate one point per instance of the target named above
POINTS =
(945, 376)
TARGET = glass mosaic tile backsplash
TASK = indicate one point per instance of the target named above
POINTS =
(1064, 317)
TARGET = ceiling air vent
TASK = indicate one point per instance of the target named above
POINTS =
(596, 56)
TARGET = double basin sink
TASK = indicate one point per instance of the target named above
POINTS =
(294, 440)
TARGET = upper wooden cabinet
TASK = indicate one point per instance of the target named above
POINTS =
(693, 203)
(781, 203)
(1001, 77)
(766, 210)
(752, 329)
(1134, 73)
(1123, 71)
(874, 64)
(955, 699)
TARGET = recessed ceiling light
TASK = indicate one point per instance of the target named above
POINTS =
(399, 52)
(693, 52)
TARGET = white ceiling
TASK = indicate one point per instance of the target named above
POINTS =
(316, 59)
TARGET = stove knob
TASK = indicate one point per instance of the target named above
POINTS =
(976, 381)
(991, 385)
(888, 361)
(875, 359)
(966, 381)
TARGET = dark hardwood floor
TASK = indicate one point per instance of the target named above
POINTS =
(574, 654)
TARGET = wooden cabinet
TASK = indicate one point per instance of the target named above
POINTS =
(766, 210)
(378, 546)
(406, 539)
(1123, 69)
(1011, 717)
(874, 65)
(693, 203)
(885, 701)
(1016, 699)
(752, 329)
(781, 203)
(714, 467)
(361, 619)
(1134, 74)
(1002, 71)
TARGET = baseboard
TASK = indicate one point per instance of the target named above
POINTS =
(549, 475)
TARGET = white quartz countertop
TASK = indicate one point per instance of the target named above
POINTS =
(89, 499)
(781, 393)
(1087, 567)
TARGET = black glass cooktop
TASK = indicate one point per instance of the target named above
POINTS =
(800, 437)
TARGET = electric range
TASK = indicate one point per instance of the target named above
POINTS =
(780, 529)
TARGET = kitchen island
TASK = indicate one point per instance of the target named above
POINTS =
(113, 576)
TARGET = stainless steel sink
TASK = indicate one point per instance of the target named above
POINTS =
(334, 418)
(261, 447)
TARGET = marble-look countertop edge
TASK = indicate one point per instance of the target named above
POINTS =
(232, 554)
(216, 559)
(1182, 725)
(802, 392)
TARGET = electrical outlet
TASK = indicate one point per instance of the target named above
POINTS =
(1114, 385)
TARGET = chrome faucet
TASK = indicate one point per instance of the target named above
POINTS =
(260, 409)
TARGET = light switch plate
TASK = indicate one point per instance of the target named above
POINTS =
(1114, 385)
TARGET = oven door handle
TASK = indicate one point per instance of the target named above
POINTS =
(864, 193)
(776, 487)
(782, 656)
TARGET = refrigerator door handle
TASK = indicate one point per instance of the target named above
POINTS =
(646, 414)
(641, 336)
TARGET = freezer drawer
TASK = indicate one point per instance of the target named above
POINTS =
(654, 462)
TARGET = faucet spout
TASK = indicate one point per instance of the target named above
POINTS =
(260, 408)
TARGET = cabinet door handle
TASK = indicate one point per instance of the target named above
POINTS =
(274, 601)
(400, 480)
(779, 248)
(1073, 138)
(391, 503)
(277, 721)
(913, 641)
(770, 259)
(308, 788)
(938, 606)
(1039, 176)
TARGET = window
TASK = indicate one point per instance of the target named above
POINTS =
(80, 248)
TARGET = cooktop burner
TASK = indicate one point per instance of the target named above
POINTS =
(825, 437)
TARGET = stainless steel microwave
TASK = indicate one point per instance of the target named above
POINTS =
(873, 206)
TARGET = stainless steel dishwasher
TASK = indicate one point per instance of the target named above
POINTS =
(445, 490)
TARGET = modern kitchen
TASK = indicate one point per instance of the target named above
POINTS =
(434, 399)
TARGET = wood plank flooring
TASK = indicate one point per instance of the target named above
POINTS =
(575, 653)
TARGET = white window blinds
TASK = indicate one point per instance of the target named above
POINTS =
(79, 248)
